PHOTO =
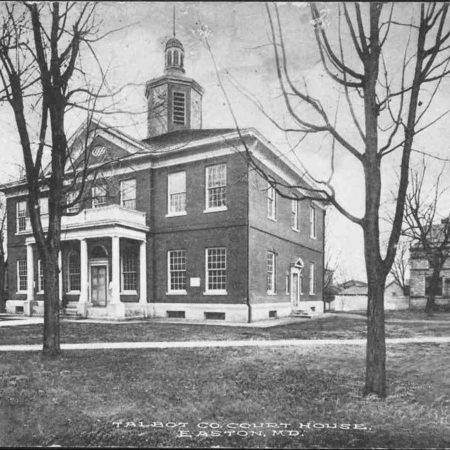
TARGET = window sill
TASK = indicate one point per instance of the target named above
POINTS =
(176, 293)
(210, 210)
(272, 219)
(21, 292)
(128, 293)
(20, 233)
(40, 292)
(297, 230)
(182, 213)
(272, 293)
(313, 237)
(218, 292)
(73, 292)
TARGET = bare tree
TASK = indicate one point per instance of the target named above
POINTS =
(430, 239)
(43, 79)
(400, 265)
(2, 253)
(381, 101)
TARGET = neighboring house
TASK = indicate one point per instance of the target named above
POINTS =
(352, 296)
(183, 227)
(420, 275)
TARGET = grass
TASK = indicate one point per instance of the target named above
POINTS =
(74, 401)
(330, 327)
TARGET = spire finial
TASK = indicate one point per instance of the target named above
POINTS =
(173, 20)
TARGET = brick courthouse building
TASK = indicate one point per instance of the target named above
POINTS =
(182, 226)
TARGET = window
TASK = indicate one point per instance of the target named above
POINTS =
(216, 187)
(177, 271)
(312, 279)
(175, 58)
(98, 196)
(169, 58)
(271, 203)
(295, 216)
(129, 270)
(71, 196)
(216, 270)
(428, 286)
(176, 188)
(40, 276)
(301, 283)
(74, 271)
(128, 193)
(271, 272)
(43, 206)
(312, 222)
(179, 108)
(22, 220)
(21, 275)
(288, 283)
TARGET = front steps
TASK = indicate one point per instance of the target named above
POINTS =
(69, 313)
(299, 314)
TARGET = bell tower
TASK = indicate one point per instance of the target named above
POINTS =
(174, 101)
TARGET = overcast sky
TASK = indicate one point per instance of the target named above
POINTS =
(240, 41)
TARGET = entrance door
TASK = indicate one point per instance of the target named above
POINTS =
(295, 291)
(98, 285)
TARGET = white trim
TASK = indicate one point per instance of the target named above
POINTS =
(128, 292)
(272, 212)
(178, 214)
(216, 209)
(75, 292)
(181, 292)
(295, 208)
(121, 191)
(272, 291)
(218, 292)
(40, 288)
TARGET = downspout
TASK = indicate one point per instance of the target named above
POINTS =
(249, 306)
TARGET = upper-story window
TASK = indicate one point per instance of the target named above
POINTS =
(271, 272)
(179, 108)
(271, 203)
(22, 220)
(70, 198)
(176, 188)
(216, 187)
(312, 222)
(295, 214)
(175, 57)
(99, 196)
(128, 193)
(169, 58)
(43, 206)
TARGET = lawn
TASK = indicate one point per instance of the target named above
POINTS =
(330, 327)
(214, 396)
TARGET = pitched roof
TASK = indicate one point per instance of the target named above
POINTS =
(182, 137)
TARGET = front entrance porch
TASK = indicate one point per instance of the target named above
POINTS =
(103, 272)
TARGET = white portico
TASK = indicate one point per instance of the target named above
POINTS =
(103, 263)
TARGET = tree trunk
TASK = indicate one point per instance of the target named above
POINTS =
(376, 346)
(51, 342)
(2, 283)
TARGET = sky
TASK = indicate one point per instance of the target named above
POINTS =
(239, 37)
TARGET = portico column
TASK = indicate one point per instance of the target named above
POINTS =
(143, 273)
(30, 273)
(83, 271)
(115, 291)
(60, 277)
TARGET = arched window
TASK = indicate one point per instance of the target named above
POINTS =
(181, 59)
(74, 271)
(175, 57)
(99, 251)
(169, 58)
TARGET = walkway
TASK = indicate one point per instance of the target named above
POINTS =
(304, 343)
